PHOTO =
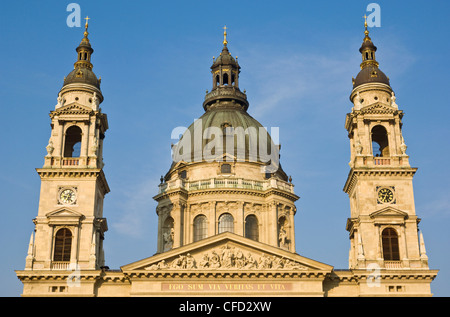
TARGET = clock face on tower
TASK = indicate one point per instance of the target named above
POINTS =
(67, 196)
(385, 195)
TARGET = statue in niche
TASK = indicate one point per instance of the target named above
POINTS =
(282, 237)
(168, 239)
(358, 147)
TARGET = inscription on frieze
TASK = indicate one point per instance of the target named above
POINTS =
(224, 287)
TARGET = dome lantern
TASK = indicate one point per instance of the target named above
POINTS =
(369, 67)
(225, 77)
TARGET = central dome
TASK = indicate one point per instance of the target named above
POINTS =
(226, 130)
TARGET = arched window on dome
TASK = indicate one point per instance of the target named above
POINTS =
(217, 82)
(72, 145)
(226, 223)
(380, 144)
(251, 227)
(63, 245)
(225, 79)
(389, 239)
(200, 228)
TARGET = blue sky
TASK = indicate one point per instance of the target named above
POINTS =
(297, 62)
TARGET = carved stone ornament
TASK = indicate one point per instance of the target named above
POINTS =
(49, 148)
(227, 257)
(168, 239)
(358, 147)
(282, 237)
(94, 147)
(95, 101)
(60, 100)
(358, 103)
(393, 104)
(403, 147)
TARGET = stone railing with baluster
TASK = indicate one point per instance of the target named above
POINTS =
(213, 183)
(60, 265)
(389, 161)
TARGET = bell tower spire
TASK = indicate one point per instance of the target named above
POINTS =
(225, 42)
(84, 50)
(367, 49)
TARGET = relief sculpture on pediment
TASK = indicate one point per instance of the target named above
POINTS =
(227, 257)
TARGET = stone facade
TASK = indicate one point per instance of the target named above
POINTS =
(226, 221)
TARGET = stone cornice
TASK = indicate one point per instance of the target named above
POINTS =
(57, 275)
(227, 274)
(396, 274)
(82, 87)
(68, 172)
(384, 274)
(354, 173)
(220, 191)
(48, 173)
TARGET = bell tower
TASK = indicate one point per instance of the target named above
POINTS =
(383, 224)
(69, 227)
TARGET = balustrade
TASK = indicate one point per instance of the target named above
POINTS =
(226, 183)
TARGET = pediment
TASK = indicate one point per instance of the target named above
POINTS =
(180, 164)
(378, 108)
(226, 252)
(225, 157)
(389, 212)
(64, 216)
(73, 108)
